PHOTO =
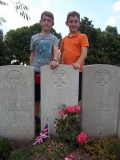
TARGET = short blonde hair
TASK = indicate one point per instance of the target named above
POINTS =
(73, 13)
(48, 14)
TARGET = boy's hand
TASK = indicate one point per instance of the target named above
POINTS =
(76, 65)
(54, 64)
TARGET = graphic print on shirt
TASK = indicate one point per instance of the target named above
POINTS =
(42, 49)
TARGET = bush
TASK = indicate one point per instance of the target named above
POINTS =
(101, 149)
(21, 154)
(51, 149)
(5, 148)
(68, 125)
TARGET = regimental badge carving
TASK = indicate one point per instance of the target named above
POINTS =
(59, 78)
(102, 77)
(14, 78)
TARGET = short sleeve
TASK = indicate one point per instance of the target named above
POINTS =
(32, 45)
(84, 41)
(55, 41)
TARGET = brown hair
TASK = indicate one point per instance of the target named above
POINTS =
(73, 13)
(49, 14)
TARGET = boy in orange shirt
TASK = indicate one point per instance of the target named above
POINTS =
(74, 46)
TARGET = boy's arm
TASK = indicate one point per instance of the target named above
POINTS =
(56, 52)
(60, 59)
(55, 62)
(81, 59)
(32, 57)
(61, 51)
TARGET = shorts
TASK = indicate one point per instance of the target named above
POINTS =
(80, 86)
(37, 90)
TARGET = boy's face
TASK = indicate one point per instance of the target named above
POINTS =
(46, 23)
(73, 23)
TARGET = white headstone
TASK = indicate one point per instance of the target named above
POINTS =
(58, 86)
(17, 102)
(100, 100)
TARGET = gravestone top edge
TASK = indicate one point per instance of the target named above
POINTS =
(20, 66)
(94, 65)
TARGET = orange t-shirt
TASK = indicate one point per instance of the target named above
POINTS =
(71, 48)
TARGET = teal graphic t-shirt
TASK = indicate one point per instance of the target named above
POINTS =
(42, 45)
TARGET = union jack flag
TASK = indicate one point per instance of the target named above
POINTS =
(42, 136)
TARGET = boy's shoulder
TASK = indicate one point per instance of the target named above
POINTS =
(65, 37)
(35, 35)
(52, 35)
(76, 35)
(82, 34)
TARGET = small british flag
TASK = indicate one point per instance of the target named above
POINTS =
(43, 135)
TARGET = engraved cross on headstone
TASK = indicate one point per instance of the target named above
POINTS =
(12, 108)
(100, 114)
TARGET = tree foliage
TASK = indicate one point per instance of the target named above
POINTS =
(4, 60)
(2, 20)
(18, 6)
(18, 43)
(104, 45)
(112, 45)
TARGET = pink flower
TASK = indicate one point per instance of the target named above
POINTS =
(49, 148)
(64, 117)
(82, 137)
(67, 158)
(61, 112)
(77, 108)
(70, 157)
(60, 144)
(80, 158)
(70, 109)
(55, 125)
(53, 142)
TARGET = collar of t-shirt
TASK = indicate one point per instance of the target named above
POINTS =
(43, 34)
(74, 35)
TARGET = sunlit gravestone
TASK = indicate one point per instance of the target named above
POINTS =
(17, 102)
(58, 87)
(100, 100)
